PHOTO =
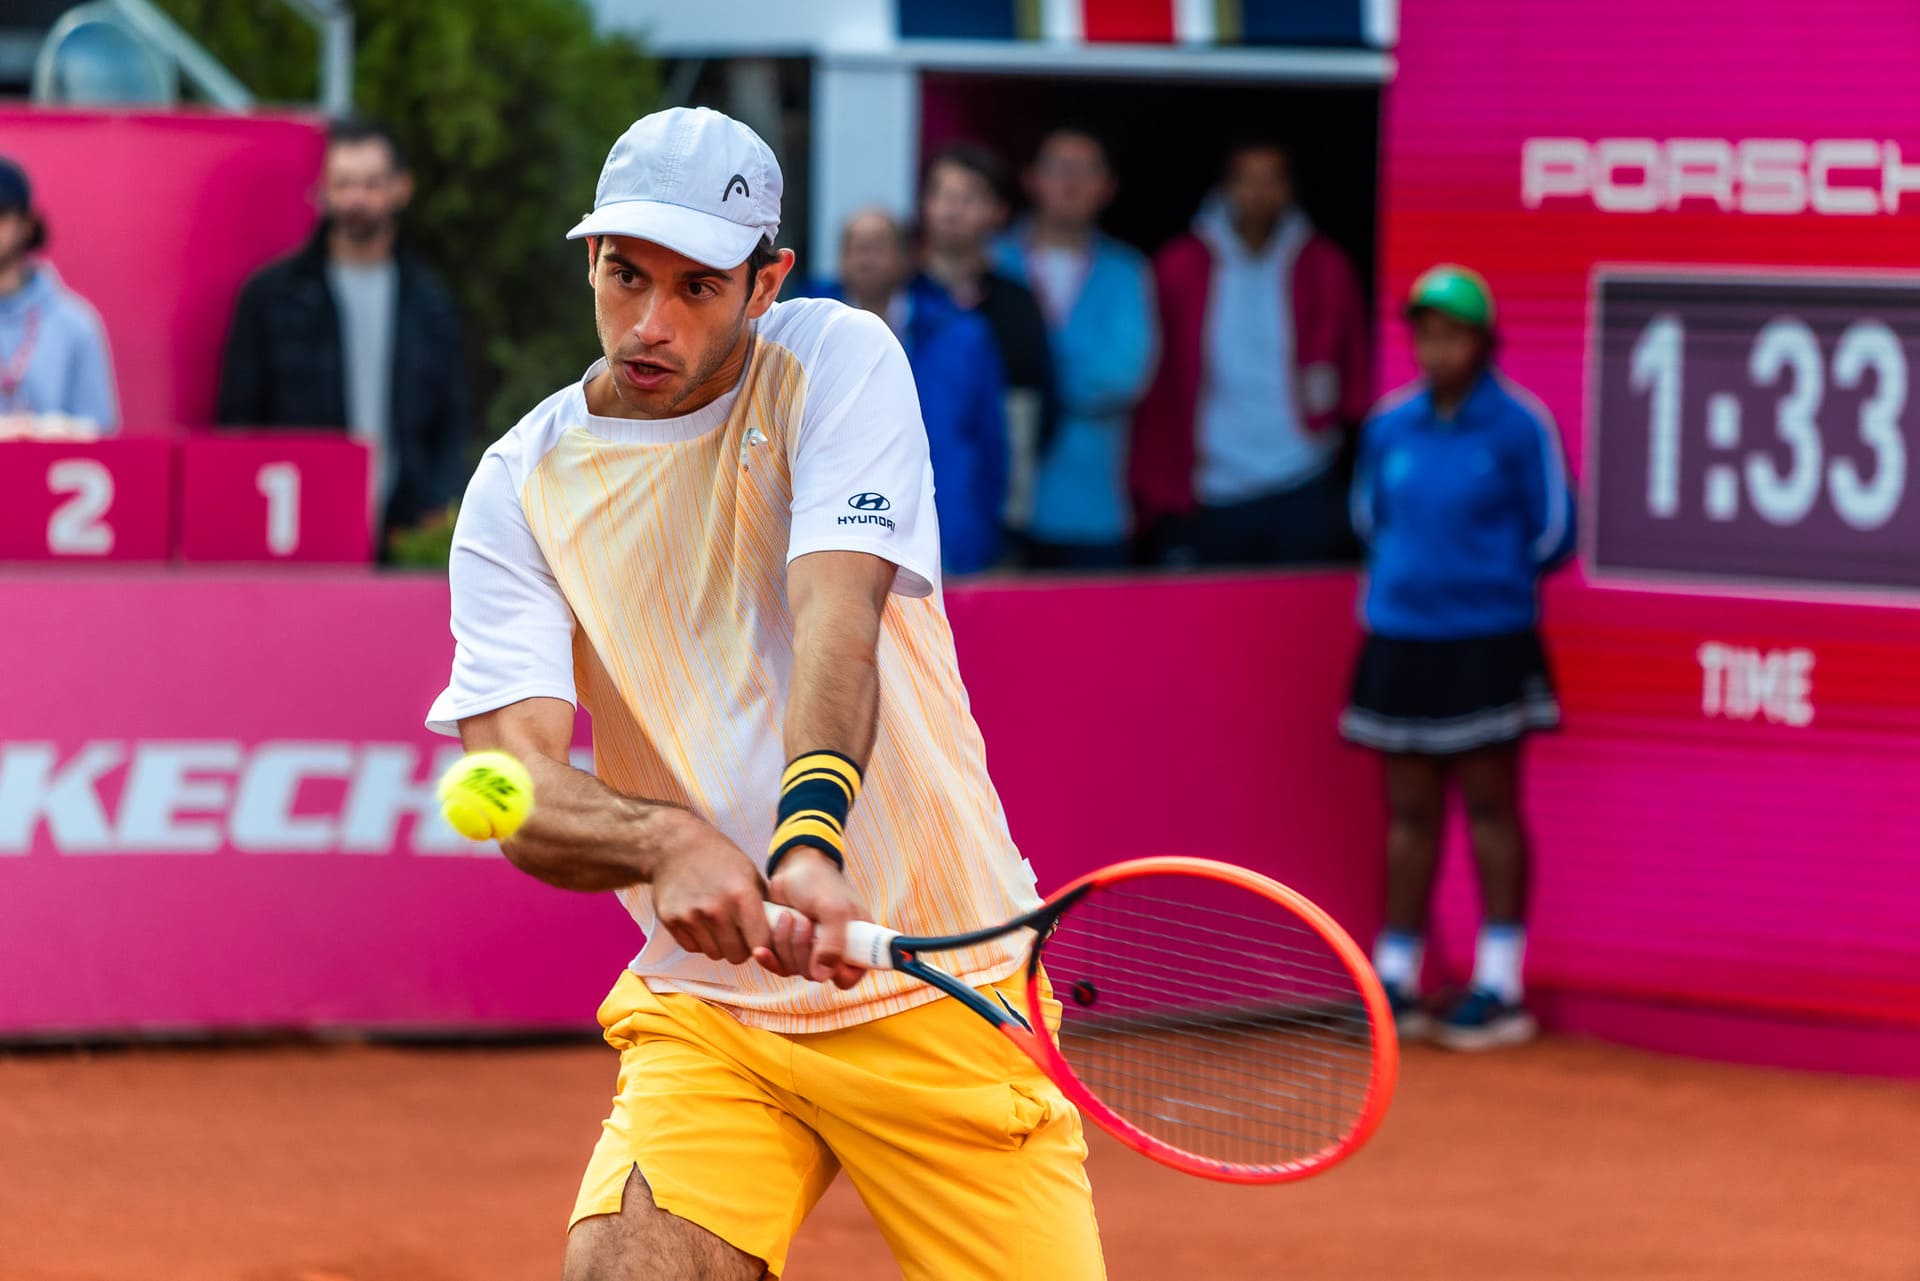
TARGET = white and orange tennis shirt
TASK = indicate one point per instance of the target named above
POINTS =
(638, 568)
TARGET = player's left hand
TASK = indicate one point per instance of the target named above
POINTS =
(810, 883)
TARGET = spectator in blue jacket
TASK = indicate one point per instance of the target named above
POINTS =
(1461, 494)
(1097, 297)
(54, 368)
(956, 368)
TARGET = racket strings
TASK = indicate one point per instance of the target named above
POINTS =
(1321, 1005)
(1314, 1066)
(1207, 1093)
(1211, 1018)
(1231, 987)
(1199, 920)
(1323, 1034)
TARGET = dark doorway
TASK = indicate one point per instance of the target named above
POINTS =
(1167, 139)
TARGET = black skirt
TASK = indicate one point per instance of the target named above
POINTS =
(1442, 697)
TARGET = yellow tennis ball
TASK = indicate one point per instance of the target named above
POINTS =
(486, 795)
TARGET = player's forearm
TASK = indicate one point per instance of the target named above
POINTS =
(834, 702)
(583, 835)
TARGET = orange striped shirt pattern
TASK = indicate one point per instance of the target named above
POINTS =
(639, 568)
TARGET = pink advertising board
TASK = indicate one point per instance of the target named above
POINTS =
(84, 501)
(216, 802)
(289, 497)
(275, 496)
(216, 805)
(1542, 146)
(1699, 221)
(1726, 819)
(157, 218)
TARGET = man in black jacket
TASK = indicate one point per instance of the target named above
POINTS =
(353, 331)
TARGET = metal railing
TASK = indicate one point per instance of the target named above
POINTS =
(331, 19)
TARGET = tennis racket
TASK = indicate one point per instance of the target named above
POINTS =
(1212, 1019)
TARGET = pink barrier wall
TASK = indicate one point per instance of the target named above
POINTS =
(216, 805)
(216, 799)
(1727, 819)
(157, 219)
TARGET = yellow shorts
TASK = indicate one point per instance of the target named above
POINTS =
(969, 1159)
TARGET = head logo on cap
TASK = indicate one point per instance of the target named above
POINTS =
(659, 180)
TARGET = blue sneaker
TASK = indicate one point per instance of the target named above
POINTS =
(1482, 1021)
(1411, 1022)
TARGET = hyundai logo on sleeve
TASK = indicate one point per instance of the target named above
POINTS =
(869, 505)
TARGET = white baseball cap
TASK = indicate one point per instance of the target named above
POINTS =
(699, 182)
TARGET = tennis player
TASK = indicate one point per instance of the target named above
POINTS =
(721, 541)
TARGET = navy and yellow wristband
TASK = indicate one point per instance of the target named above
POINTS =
(816, 794)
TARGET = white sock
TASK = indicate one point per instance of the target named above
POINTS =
(1498, 958)
(1397, 955)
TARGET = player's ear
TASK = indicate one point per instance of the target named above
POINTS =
(593, 257)
(766, 285)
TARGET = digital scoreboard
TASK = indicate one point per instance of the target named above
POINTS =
(1749, 426)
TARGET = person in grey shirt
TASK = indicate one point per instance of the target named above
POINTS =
(366, 294)
(354, 332)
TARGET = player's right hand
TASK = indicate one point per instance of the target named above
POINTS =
(815, 946)
(710, 896)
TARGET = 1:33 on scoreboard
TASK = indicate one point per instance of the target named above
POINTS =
(1755, 426)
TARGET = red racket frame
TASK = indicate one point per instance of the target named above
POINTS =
(1385, 1043)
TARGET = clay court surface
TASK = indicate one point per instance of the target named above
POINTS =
(368, 1163)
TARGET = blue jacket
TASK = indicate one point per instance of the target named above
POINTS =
(67, 369)
(1103, 356)
(1462, 515)
(957, 372)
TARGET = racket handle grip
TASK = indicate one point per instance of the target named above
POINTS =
(866, 942)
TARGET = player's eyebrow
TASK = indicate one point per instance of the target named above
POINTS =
(711, 274)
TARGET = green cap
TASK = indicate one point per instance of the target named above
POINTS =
(1453, 290)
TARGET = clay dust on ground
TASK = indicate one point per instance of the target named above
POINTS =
(368, 1163)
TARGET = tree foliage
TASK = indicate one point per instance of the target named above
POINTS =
(506, 109)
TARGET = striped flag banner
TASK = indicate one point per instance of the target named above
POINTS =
(1192, 22)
